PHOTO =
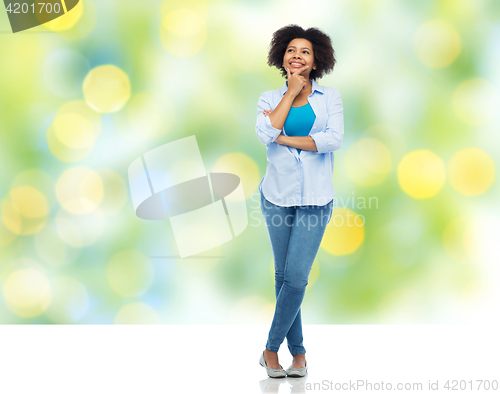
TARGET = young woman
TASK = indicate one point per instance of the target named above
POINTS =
(301, 124)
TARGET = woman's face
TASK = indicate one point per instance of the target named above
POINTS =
(299, 53)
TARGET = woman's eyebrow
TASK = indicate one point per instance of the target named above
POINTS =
(291, 46)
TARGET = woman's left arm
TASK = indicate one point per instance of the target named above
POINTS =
(304, 143)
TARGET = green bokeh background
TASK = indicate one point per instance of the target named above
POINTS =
(407, 270)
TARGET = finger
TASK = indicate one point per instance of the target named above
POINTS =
(288, 73)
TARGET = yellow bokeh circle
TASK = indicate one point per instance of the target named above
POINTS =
(81, 135)
(79, 190)
(68, 20)
(40, 180)
(25, 211)
(367, 162)
(345, 232)
(129, 273)
(476, 102)
(421, 173)
(471, 171)
(242, 165)
(27, 292)
(436, 44)
(72, 134)
(29, 202)
(183, 31)
(106, 88)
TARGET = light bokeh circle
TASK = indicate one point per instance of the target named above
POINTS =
(73, 132)
(27, 292)
(421, 174)
(81, 135)
(106, 88)
(29, 202)
(436, 44)
(345, 233)
(68, 20)
(471, 171)
(183, 31)
(25, 211)
(80, 190)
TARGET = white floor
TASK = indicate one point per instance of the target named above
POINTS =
(224, 359)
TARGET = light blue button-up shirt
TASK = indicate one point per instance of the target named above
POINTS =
(306, 179)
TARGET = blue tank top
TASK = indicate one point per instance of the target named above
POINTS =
(299, 121)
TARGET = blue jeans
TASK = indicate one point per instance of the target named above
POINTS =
(296, 234)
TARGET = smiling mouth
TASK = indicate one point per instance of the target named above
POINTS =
(296, 64)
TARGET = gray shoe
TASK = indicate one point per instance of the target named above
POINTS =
(297, 373)
(271, 372)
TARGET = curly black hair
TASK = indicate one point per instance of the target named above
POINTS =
(324, 55)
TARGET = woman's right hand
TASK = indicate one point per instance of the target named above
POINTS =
(296, 82)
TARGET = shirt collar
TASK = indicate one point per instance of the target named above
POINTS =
(315, 87)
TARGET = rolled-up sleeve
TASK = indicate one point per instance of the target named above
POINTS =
(265, 131)
(331, 139)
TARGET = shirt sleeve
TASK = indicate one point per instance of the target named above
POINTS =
(331, 138)
(265, 131)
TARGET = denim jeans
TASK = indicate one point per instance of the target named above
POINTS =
(296, 234)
